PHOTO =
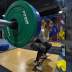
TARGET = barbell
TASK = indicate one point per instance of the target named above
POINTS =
(21, 23)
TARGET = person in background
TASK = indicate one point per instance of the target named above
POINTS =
(40, 43)
(48, 28)
(44, 30)
(42, 33)
(42, 48)
(53, 31)
(60, 26)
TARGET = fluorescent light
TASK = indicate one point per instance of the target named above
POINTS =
(60, 12)
(3, 15)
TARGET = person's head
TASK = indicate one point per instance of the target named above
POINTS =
(49, 24)
(49, 21)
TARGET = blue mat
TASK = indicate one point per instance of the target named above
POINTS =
(4, 47)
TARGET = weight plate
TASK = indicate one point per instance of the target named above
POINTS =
(27, 20)
(38, 21)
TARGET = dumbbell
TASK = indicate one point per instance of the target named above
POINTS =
(21, 23)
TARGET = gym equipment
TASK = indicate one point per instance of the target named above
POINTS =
(3, 22)
(4, 47)
(24, 23)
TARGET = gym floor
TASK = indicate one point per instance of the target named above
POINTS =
(20, 60)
